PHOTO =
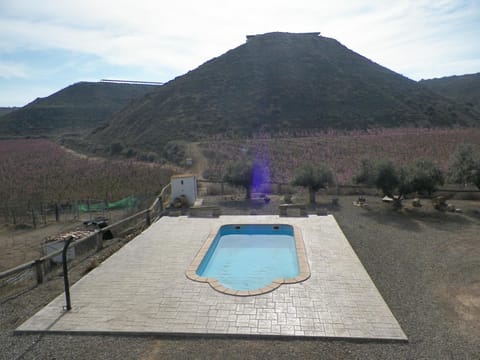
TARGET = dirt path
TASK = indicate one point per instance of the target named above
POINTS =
(79, 155)
(200, 162)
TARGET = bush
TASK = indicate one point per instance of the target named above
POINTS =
(426, 176)
(174, 152)
(464, 167)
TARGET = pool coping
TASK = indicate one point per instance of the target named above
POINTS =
(303, 267)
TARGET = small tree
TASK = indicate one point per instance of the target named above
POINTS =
(385, 176)
(313, 178)
(464, 164)
(423, 176)
(240, 173)
(426, 176)
(366, 174)
(476, 176)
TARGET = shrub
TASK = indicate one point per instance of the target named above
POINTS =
(174, 151)
(426, 176)
(464, 165)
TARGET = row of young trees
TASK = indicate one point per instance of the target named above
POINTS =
(422, 176)
(40, 174)
(340, 151)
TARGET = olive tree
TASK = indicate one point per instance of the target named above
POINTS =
(464, 167)
(426, 176)
(313, 177)
(396, 182)
(476, 176)
(240, 174)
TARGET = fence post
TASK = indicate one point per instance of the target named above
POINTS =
(43, 214)
(34, 222)
(160, 201)
(99, 240)
(148, 221)
(39, 271)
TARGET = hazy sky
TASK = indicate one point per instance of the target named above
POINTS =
(49, 44)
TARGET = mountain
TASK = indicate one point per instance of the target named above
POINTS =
(78, 107)
(279, 82)
(465, 89)
(6, 110)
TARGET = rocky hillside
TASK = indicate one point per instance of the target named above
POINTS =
(465, 89)
(78, 107)
(280, 82)
(6, 110)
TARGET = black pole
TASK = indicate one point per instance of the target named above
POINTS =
(65, 273)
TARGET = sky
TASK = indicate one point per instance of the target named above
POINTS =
(50, 44)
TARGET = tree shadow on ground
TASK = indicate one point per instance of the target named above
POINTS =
(473, 214)
(392, 217)
(438, 218)
(260, 207)
(411, 219)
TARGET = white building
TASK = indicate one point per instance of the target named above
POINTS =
(186, 185)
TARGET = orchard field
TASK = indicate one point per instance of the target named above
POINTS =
(36, 173)
(341, 151)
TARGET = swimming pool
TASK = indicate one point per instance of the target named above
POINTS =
(251, 259)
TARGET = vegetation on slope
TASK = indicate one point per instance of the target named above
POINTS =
(78, 107)
(280, 82)
(6, 110)
(340, 151)
(464, 89)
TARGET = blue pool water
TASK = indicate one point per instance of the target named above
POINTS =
(250, 257)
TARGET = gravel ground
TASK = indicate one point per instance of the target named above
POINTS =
(425, 264)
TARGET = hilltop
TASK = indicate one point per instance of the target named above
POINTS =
(280, 82)
(78, 107)
(6, 110)
(465, 89)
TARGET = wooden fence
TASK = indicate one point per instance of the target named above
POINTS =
(34, 272)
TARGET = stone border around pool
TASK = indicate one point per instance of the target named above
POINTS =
(304, 269)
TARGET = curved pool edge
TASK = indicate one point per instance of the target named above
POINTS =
(303, 267)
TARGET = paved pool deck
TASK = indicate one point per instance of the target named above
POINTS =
(142, 290)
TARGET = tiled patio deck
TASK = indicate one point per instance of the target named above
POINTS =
(142, 289)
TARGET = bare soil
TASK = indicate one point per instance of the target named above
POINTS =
(425, 264)
(20, 246)
(199, 161)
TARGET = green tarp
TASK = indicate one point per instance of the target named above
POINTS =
(124, 203)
